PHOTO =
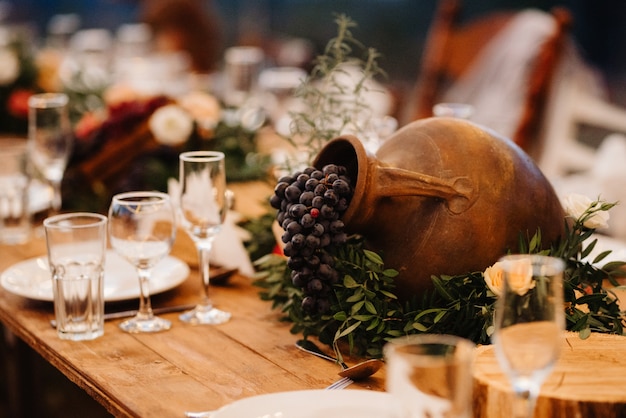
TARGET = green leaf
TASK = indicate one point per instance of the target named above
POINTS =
(357, 307)
(420, 327)
(348, 330)
(584, 333)
(373, 257)
(349, 282)
(369, 306)
(340, 316)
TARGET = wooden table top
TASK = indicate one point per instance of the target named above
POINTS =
(187, 368)
(192, 368)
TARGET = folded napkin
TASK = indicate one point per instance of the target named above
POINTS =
(228, 249)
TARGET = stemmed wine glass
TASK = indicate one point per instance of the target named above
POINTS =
(203, 207)
(529, 320)
(142, 229)
(49, 139)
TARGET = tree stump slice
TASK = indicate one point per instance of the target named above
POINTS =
(589, 380)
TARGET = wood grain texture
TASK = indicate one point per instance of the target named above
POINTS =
(588, 381)
(186, 368)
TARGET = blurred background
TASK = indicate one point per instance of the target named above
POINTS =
(291, 32)
(396, 28)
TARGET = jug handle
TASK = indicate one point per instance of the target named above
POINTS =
(458, 192)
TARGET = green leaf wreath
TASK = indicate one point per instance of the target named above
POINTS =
(365, 312)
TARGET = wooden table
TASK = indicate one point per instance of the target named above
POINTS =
(587, 381)
(187, 368)
(204, 367)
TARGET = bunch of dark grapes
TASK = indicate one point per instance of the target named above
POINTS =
(310, 204)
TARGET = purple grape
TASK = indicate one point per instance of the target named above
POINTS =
(292, 193)
(297, 211)
(311, 184)
(279, 190)
(298, 241)
(330, 169)
(307, 221)
(306, 198)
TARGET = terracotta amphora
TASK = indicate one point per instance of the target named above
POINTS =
(444, 196)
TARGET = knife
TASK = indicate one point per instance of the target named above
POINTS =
(128, 314)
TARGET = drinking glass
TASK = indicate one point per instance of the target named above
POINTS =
(529, 320)
(76, 244)
(50, 139)
(203, 207)
(142, 228)
(431, 375)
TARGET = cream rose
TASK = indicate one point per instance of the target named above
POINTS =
(575, 206)
(520, 277)
(10, 68)
(171, 125)
(204, 108)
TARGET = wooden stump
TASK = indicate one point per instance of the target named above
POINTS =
(589, 380)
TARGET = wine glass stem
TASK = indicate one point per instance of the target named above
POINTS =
(56, 196)
(145, 307)
(524, 404)
(204, 250)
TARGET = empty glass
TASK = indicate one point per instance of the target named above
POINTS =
(529, 320)
(431, 375)
(50, 139)
(142, 228)
(203, 207)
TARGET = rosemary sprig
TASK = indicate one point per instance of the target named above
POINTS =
(332, 104)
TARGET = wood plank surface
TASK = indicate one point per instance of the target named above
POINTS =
(186, 368)
(587, 381)
(204, 367)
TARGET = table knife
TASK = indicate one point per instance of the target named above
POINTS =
(128, 314)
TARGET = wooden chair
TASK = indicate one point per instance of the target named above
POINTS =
(451, 48)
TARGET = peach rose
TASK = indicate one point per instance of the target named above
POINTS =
(520, 277)
(10, 68)
(204, 108)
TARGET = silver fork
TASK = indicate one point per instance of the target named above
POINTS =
(340, 384)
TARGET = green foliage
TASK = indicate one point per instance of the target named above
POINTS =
(334, 105)
(365, 312)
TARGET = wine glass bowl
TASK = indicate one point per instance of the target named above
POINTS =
(142, 229)
(49, 139)
(529, 320)
(204, 203)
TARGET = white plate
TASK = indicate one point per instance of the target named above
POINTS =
(31, 278)
(314, 404)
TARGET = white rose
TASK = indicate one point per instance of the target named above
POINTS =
(171, 125)
(10, 68)
(520, 277)
(576, 205)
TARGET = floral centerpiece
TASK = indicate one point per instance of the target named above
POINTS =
(360, 308)
(134, 143)
(18, 80)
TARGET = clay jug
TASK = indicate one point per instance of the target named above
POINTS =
(444, 196)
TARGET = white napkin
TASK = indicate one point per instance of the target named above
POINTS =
(228, 249)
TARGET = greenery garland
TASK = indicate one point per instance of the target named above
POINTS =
(365, 312)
